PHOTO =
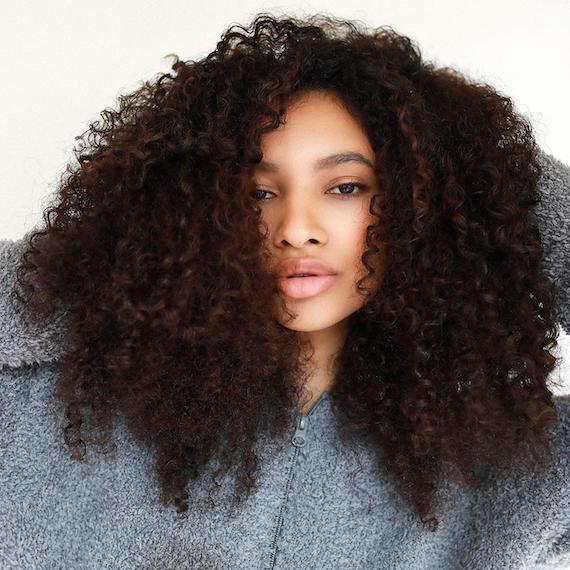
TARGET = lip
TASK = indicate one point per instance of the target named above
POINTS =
(310, 265)
(303, 287)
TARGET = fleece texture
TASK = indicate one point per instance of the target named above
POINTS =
(321, 502)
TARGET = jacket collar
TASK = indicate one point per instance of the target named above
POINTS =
(22, 343)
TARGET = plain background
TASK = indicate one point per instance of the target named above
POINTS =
(64, 61)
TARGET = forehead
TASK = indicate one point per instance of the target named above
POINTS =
(318, 131)
(325, 162)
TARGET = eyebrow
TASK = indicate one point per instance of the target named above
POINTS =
(321, 163)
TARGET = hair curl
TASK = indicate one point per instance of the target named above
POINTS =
(167, 310)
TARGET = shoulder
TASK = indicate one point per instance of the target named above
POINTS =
(555, 178)
(549, 492)
(553, 220)
(23, 389)
(555, 492)
(27, 358)
(553, 211)
(531, 513)
(554, 186)
(30, 419)
(22, 343)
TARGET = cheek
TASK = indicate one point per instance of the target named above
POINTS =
(350, 246)
(365, 223)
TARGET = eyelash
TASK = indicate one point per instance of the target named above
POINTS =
(361, 187)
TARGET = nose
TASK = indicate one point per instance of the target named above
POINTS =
(297, 223)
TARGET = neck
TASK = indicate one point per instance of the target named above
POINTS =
(320, 350)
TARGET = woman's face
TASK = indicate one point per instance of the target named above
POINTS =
(305, 210)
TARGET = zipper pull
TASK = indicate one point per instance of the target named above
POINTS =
(299, 438)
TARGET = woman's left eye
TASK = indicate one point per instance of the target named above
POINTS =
(361, 187)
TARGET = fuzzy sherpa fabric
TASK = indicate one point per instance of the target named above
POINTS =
(324, 504)
(553, 215)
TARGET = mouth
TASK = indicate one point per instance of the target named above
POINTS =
(298, 287)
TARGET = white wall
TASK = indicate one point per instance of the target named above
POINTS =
(65, 61)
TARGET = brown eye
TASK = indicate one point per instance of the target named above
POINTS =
(361, 187)
(255, 194)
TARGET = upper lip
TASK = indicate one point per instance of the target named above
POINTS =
(310, 265)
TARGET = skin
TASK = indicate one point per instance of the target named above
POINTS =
(308, 216)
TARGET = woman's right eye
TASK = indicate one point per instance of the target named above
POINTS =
(255, 194)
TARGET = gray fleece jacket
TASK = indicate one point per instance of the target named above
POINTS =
(320, 502)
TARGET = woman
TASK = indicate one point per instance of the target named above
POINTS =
(302, 277)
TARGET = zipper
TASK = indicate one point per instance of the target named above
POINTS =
(298, 440)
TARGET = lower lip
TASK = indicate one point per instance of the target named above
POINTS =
(302, 287)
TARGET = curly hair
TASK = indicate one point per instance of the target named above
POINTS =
(152, 244)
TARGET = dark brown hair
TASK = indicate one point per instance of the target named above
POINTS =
(152, 245)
